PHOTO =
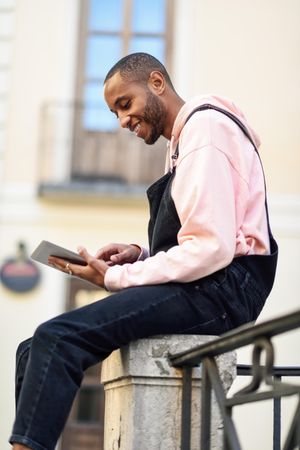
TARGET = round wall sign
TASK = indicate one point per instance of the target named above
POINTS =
(19, 276)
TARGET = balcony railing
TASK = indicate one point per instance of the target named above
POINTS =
(259, 336)
(74, 158)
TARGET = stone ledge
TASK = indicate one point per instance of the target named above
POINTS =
(143, 395)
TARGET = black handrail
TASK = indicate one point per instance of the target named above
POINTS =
(278, 372)
(240, 337)
(260, 337)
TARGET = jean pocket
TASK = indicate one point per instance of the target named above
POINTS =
(249, 294)
(219, 278)
(254, 297)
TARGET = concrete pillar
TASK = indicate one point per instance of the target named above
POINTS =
(143, 395)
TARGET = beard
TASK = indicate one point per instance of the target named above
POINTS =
(155, 114)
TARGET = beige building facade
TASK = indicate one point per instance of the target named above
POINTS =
(246, 50)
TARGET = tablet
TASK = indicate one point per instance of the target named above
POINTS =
(46, 249)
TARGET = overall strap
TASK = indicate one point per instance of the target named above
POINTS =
(247, 134)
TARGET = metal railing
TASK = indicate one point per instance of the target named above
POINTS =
(278, 372)
(260, 337)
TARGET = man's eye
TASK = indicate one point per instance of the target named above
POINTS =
(125, 105)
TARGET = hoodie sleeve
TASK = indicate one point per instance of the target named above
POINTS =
(203, 192)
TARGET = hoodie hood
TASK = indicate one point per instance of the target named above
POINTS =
(221, 102)
(189, 106)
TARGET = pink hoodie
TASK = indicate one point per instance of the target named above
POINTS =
(218, 191)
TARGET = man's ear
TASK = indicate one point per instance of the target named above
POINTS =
(156, 82)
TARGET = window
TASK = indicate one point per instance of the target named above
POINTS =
(108, 38)
(109, 30)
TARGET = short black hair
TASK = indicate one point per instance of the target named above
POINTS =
(137, 67)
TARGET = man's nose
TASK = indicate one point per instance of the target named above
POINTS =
(124, 120)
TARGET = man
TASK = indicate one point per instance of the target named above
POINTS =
(211, 260)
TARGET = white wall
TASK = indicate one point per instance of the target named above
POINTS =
(45, 48)
(248, 51)
(7, 30)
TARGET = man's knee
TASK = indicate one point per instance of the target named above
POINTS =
(45, 332)
(50, 332)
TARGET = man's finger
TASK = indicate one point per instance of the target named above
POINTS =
(84, 253)
(106, 251)
(97, 264)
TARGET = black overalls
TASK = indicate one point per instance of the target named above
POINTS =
(164, 225)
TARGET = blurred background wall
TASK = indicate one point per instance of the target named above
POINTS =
(68, 175)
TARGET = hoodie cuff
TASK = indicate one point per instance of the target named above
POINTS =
(112, 278)
(144, 254)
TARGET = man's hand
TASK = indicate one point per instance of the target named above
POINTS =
(94, 271)
(118, 253)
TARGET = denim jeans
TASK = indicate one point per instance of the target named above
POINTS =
(51, 365)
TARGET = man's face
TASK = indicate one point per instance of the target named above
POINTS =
(137, 108)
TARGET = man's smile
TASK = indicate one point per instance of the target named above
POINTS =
(137, 129)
